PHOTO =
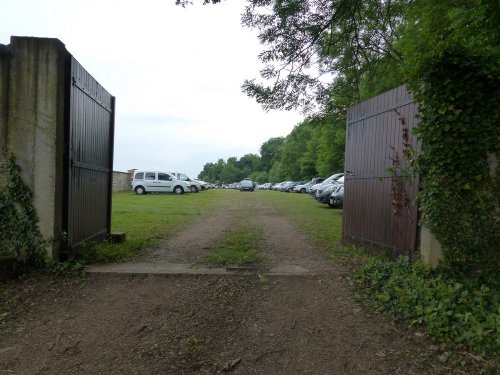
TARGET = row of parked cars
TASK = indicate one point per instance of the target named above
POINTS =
(166, 182)
(328, 191)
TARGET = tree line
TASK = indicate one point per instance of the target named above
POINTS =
(313, 148)
(324, 56)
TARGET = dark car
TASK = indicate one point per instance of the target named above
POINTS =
(284, 185)
(313, 189)
(336, 199)
(289, 185)
(247, 185)
(323, 193)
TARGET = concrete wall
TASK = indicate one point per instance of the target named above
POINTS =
(430, 248)
(4, 86)
(121, 181)
(32, 72)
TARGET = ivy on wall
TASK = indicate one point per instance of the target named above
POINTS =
(459, 98)
(20, 236)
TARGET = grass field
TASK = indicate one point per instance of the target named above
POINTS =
(241, 245)
(145, 219)
(320, 222)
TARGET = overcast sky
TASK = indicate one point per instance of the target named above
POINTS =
(176, 74)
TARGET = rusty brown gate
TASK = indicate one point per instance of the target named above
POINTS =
(89, 139)
(379, 205)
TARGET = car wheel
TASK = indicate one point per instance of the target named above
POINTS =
(331, 202)
(302, 190)
(178, 190)
(139, 190)
(194, 189)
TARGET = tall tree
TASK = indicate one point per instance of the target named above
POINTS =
(249, 163)
(331, 145)
(270, 152)
(293, 150)
(310, 42)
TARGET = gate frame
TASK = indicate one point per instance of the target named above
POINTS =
(69, 247)
(389, 233)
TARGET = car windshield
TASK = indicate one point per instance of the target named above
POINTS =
(334, 177)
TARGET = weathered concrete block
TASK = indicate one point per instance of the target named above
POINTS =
(32, 123)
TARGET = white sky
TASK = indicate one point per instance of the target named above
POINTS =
(176, 74)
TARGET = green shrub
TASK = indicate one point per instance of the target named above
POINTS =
(456, 309)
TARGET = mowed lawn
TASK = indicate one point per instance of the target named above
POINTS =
(147, 218)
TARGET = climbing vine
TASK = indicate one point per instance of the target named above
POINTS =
(459, 96)
(402, 170)
(19, 233)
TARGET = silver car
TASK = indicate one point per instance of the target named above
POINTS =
(158, 182)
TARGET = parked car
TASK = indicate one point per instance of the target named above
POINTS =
(333, 177)
(204, 185)
(288, 186)
(247, 185)
(317, 180)
(336, 199)
(158, 182)
(196, 186)
(278, 185)
(323, 193)
(302, 188)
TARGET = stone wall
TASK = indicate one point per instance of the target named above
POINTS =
(121, 181)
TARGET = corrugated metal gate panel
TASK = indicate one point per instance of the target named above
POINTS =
(90, 158)
(373, 127)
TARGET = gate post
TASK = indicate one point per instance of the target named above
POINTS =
(32, 123)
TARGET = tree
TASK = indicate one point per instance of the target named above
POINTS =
(453, 71)
(183, 3)
(320, 51)
(270, 152)
(276, 174)
(231, 172)
(249, 163)
(331, 145)
(293, 149)
(259, 176)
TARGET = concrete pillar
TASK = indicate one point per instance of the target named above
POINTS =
(430, 248)
(35, 125)
(4, 86)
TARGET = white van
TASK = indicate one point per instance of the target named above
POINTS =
(195, 185)
(158, 182)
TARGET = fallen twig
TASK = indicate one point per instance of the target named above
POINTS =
(231, 365)
(260, 356)
(359, 347)
(6, 349)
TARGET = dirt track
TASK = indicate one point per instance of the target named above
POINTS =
(166, 313)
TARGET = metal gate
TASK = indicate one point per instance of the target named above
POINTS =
(89, 138)
(371, 215)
